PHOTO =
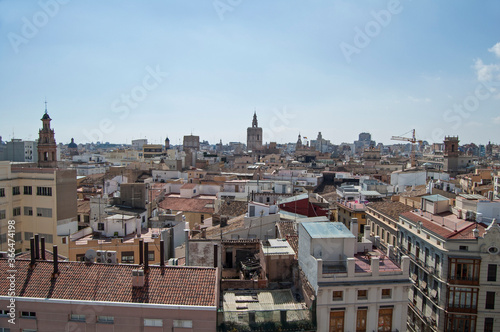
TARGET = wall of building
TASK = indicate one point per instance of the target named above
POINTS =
(55, 316)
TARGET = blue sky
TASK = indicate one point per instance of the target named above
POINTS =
(119, 70)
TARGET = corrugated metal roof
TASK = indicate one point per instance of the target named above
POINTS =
(321, 230)
(435, 198)
(473, 196)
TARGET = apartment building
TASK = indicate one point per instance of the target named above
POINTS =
(86, 296)
(347, 210)
(41, 201)
(454, 265)
(357, 287)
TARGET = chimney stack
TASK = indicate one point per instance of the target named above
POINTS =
(146, 261)
(162, 253)
(42, 242)
(141, 252)
(56, 262)
(32, 252)
(37, 246)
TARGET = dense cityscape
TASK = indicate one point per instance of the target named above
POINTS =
(305, 236)
(232, 165)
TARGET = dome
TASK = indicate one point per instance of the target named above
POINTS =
(46, 116)
(72, 145)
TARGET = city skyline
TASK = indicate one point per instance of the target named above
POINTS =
(120, 72)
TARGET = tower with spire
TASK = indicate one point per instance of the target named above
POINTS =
(254, 135)
(47, 147)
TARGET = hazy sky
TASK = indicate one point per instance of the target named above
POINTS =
(119, 70)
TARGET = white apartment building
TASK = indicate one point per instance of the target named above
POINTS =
(454, 264)
(357, 288)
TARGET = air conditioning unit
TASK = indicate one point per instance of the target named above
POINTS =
(111, 257)
(101, 256)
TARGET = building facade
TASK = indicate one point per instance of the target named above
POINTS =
(254, 135)
(40, 201)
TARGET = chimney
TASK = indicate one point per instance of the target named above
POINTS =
(162, 253)
(204, 233)
(186, 231)
(354, 227)
(32, 252)
(137, 278)
(37, 246)
(42, 241)
(146, 261)
(56, 262)
(215, 256)
(141, 252)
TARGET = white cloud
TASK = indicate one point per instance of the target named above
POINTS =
(495, 49)
(496, 120)
(485, 72)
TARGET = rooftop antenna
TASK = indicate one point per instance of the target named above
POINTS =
(45, 105)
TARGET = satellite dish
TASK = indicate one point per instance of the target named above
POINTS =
(90, 255)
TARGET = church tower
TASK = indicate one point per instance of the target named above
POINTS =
(47, 148)
(254, 135)
(167, 143)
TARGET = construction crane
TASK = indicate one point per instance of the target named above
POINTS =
(412, 140)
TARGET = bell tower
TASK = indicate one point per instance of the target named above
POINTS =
(47, 148)
(254, 135)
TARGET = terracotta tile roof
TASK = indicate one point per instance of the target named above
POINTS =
(83, 206)
(189, 186)
(188, 204)
(213, 232)
(173, 285)
(389, 208)
(287, 230)
(233, 208)
(462, 234)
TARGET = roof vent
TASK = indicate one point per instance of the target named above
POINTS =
(138, 278)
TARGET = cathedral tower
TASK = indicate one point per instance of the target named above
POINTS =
(47, 148)
(254, 135)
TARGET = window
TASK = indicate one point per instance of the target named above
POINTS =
(490, 300)
(28, 211)
(386, 293)
(106, 319)
(492, 272)
(385, 319)
(28, 314)
(2, 214)
(80, 257)
(462, 299)
(461, 323)
(3, 313)
(16, 190)
(77, 318)
(16, 211)
(464, 271)
(28, 236)
(361, 320)
(463, 248)
(362, 294)
(44, 212)
(2, 192)
(100, 226)
(44, 191)
(153, 322)
(28, 190)
(488, 324)
(183, 323)
(151, 256)
(338, 295)
(128, 257)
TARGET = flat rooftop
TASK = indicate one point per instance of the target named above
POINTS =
(324, 230)
(146, 236)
